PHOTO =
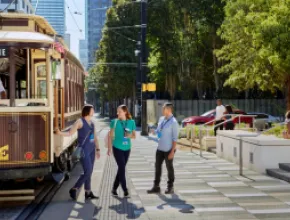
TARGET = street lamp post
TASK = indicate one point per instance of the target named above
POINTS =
(144, 59)
(138, 81)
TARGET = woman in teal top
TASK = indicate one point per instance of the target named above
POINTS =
(122, 131)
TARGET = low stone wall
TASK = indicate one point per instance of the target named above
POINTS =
(259, 153)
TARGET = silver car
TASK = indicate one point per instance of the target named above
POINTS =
(264, 121)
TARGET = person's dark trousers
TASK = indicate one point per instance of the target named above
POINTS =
(121, 158)
(88, 167)
(221, 127)
(230, 126)
(160, 157)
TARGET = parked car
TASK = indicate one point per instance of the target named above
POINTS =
(210, 115)
(264, 121)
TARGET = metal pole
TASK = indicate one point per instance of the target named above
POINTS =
(12, 79)
(200, 142)
(241, 157)
(28, 73)
(138, 82)
(191, 138)
(144, 65)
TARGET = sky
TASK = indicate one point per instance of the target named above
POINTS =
(72, 29)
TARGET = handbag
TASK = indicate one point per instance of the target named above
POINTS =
(79, 152)
(107, 138)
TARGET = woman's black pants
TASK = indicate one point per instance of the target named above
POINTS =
(121, 158)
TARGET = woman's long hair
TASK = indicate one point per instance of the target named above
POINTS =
(287, 115)
(125, 109)
(229, 109)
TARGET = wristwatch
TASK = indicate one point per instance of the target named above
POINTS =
(98, 149)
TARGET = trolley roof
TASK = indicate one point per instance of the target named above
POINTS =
(34, 37)
(41, 21)
(26, 37)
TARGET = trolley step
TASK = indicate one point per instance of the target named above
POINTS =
(17, 195)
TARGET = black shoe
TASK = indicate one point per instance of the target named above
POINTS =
(90, 195)
(114, 193)
(154, 190)
(170, 190)
(73, 194)
(126, 194)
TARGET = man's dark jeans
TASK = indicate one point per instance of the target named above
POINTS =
(221, 127)
(160, 157)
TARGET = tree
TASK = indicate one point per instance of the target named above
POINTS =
(257, 46)
(117, 81)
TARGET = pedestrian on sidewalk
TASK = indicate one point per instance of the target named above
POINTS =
(229, 124)
(167, 132)
(219, 113)
(87, 138)
(122, 130)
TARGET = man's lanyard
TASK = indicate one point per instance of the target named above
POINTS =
(165, 122)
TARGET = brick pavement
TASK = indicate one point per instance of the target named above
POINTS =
(208, 189)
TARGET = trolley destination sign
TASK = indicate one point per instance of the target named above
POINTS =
(4, 52)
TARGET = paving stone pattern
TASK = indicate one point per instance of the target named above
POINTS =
(206, 188)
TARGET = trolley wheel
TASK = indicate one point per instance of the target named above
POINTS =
(70, 165)
(66, 176)
(40, 179)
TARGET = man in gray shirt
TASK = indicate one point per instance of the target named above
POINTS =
(167, 132)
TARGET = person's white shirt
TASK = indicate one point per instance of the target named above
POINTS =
(220, 110)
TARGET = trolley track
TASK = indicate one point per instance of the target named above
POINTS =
(33, 210)
(22, 209)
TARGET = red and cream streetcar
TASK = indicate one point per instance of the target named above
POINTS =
(44, 85)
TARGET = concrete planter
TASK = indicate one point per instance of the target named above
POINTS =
(259, 153)
(208, 142)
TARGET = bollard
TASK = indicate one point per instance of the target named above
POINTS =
(200, 142)
(191, 138)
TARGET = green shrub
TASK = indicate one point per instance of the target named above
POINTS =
(182, 133)
(276, 130)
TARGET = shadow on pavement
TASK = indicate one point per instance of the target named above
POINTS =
(175, 202)
(127, 208)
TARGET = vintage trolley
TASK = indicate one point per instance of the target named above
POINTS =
(44, 84)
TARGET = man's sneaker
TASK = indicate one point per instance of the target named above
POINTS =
(126, 194)
(73, 194)
(154, 190)
(90, 195)
(169, 190)
(114, 193)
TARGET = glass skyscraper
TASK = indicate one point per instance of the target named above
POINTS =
(53, 11)
(83, 53)
(95, 20)
(23, 6)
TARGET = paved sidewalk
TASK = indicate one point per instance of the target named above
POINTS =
(61, 206)
(208, 189)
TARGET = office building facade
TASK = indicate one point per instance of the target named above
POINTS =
(23, 6)
(67, 40)
(95, 20)
(53, 11)
(83, 53)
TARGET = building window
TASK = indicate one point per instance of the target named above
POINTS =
(5, 1)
